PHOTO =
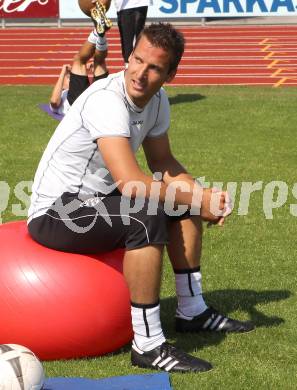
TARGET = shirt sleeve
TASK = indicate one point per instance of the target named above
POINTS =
(163, 116)
(105, 115)
(63, 106)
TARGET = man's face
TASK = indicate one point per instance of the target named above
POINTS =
(147, 72)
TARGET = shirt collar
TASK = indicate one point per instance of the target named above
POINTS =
(131, 104)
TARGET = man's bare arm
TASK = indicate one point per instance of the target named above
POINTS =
(121, 162)
(55, 99)
(160, 159)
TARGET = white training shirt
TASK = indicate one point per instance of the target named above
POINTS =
(127, 4)
(64, 104)
(72, 161)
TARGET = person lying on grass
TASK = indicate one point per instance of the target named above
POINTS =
(74, 79)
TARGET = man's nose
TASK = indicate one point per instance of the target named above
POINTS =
(142, 72)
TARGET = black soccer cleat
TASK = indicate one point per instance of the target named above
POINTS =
(168, 358)
(211, 320)
(101, 21)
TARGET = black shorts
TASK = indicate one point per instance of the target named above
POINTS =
(100, 224)
(77, 85)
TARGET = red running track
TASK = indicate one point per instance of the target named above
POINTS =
(215, 55)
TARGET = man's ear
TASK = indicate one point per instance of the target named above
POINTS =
(171, 76)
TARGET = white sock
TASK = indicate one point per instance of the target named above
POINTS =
(148, 333)
(101, 44)
(189, 293)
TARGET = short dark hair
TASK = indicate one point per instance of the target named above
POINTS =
(164, 35)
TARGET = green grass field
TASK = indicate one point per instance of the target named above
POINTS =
(227, 134)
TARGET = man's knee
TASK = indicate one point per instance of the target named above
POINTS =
(148, 228)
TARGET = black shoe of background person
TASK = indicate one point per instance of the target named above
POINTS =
(101, 21)
(211, 320)
(168, 358)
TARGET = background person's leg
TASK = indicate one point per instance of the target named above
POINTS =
(140, 18)
(80, 59)
(79, 80)
(100, 67)
(126, 24)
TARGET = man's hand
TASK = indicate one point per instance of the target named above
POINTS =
(216, 206)
(66, 68)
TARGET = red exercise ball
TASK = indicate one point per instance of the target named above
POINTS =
(61, 305)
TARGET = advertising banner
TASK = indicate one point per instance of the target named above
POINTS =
(69, 9)
(29, 8)
(225, 8)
